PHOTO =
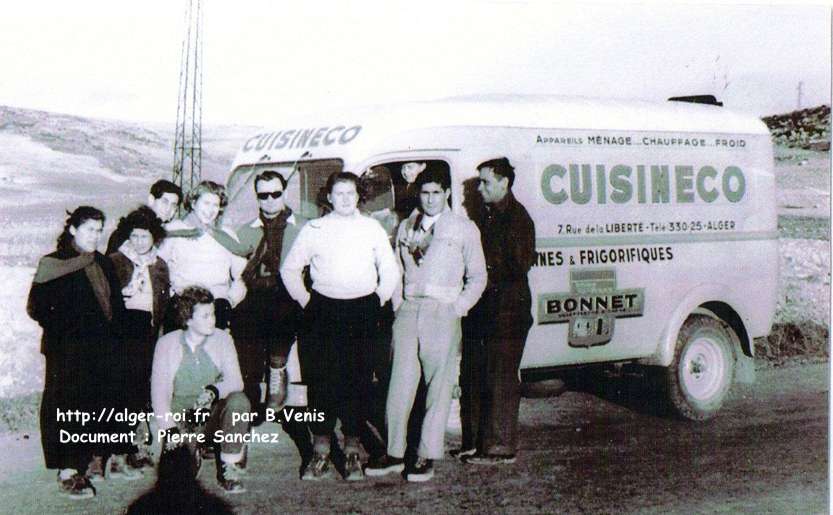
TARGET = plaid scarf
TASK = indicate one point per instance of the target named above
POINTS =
(418, 239)
(261, 271)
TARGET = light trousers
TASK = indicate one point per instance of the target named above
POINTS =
(426, 341)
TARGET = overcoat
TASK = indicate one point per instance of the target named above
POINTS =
(508, 237)
(81, 346)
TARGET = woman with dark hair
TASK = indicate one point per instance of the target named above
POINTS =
(76, 298)
(354, 273)
(195, 370)
(198, 253)
(144, 284)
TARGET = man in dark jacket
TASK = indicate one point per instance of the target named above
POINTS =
(266, 320)
(495, 331)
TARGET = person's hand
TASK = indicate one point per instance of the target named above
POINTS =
(171, 439)
(206, 398)
(128, 291)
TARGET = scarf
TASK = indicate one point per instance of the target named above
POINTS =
(140, 279)
(418, 239)
(219, 235)
(51, 268)
(261, 271)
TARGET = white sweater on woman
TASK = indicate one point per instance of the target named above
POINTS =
(349, 257)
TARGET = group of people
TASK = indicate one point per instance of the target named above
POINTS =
(186, 316)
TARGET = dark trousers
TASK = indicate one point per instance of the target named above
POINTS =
(62, 391)
(264, 326)
(138, 343)
(337, 360)
(300, 434)
(136, 362)
(372, 432)
(86, 378)
(492, 352)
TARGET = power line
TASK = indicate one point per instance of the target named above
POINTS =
(187, 168)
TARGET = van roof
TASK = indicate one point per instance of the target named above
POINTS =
(557, 112)
(527, 111)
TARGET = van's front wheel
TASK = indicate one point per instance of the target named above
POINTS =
(698, 380)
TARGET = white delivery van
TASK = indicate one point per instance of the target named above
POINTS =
(655, 223)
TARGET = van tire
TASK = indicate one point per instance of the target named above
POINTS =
(698, 380)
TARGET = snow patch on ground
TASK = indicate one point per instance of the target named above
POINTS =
(21, 364)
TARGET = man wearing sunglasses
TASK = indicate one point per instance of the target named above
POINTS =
(266, 320)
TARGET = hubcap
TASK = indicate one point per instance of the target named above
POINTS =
(703, 368)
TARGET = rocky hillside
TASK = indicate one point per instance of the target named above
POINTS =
(122, 148)
(808, 128)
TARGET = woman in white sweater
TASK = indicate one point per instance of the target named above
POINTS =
(196, 256)
(354, 273)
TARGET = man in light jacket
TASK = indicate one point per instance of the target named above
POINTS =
(445, 274)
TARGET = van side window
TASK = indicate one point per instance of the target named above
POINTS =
(399, 178)
(313, 177)
(378, 199)
(377, 189)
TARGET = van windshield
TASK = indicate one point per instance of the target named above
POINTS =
(304, 190)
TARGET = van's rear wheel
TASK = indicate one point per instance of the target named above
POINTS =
(698, 380)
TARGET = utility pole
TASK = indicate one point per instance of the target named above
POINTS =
(188, 137)
(800, 87)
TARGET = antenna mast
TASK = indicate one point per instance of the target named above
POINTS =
(188, 138)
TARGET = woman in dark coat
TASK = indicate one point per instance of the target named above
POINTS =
(145, 286)
(76, 299)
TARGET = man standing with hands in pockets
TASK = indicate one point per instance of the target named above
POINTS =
(354, 273)
(445, 274)
(495, 331)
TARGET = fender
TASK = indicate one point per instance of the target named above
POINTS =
(690, 304)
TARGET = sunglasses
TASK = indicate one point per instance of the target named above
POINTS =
(266, 195)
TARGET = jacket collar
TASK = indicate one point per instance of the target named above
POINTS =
(504, 204)
(417, 215)
(137, 259)
(257, 222)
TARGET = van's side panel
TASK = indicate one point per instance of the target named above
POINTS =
(635, 227)
(632, 225)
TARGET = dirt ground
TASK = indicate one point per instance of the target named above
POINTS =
(605, 450)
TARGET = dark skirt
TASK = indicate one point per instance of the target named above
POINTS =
(79, 385)
(136, 362)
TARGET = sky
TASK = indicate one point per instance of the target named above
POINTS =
(266, 60)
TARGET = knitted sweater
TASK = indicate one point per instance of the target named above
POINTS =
(349, 257)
